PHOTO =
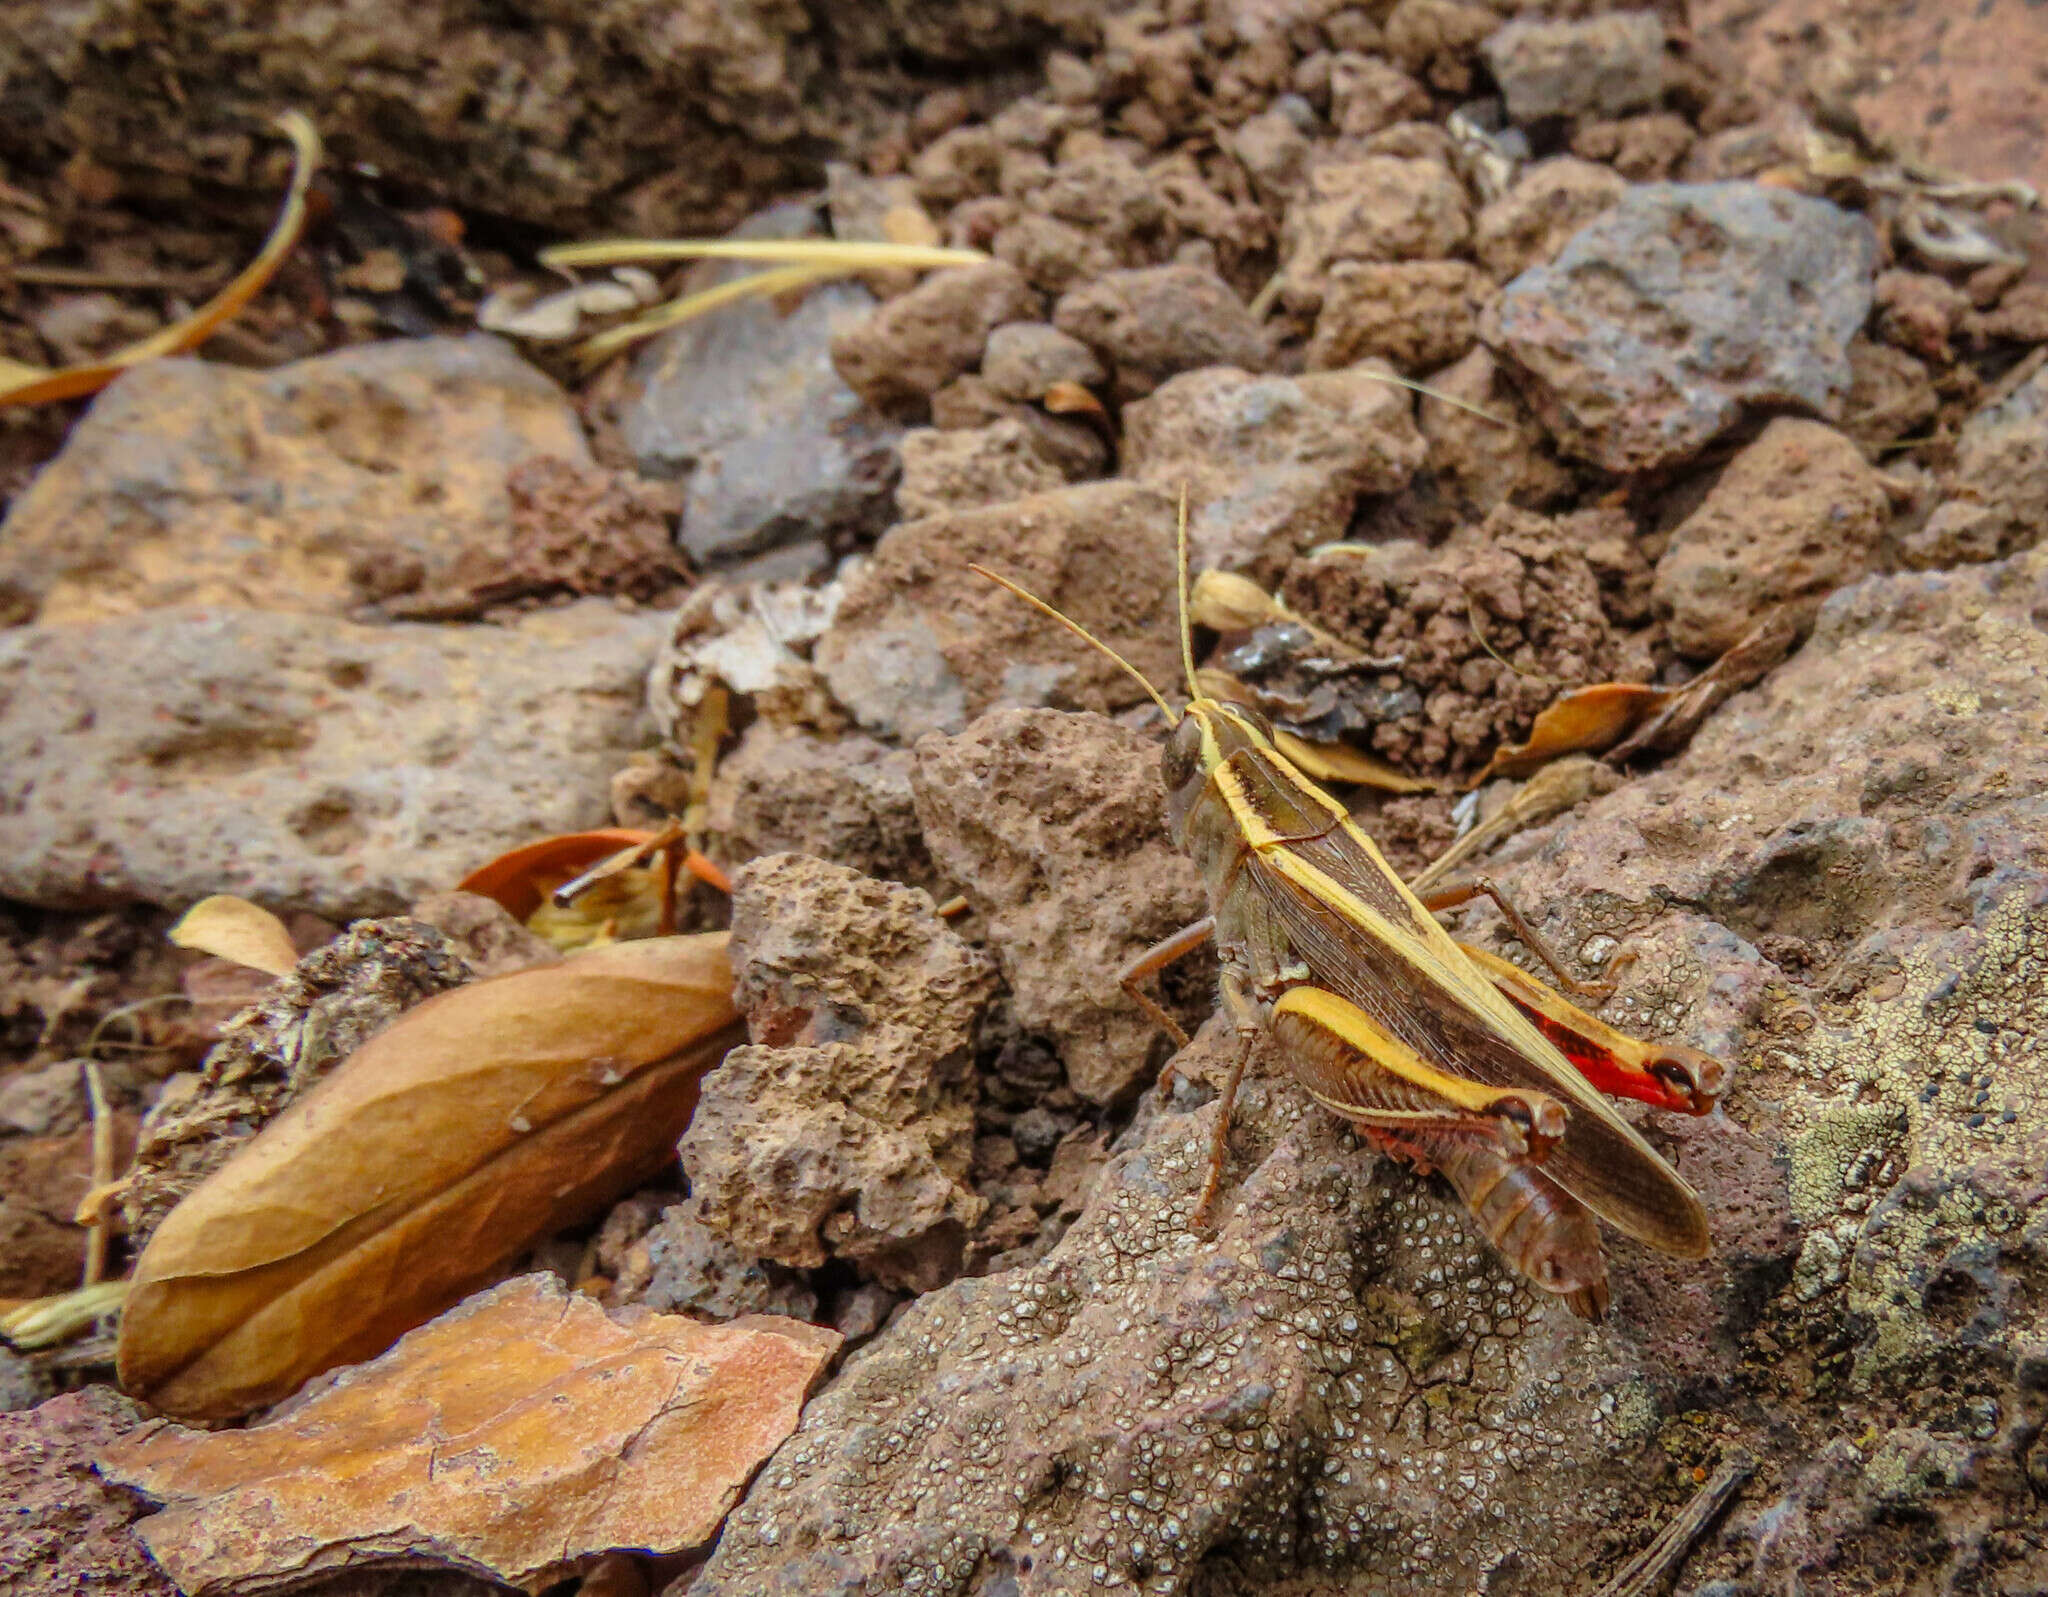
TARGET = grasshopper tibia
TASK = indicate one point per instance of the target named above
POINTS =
(1483, 887)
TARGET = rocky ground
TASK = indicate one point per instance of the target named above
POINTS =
(1713, 312)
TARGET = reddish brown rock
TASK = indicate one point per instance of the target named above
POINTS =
(1055, 826)
(846, 1128)
(1378, 208)
(66, 1531)
(1592, 66)
(1999, 490)
(847, 800)
(1483, 462)
(922, 340)
(966, 468)
(923, 644)
(198, 483)
(1549, 202)
(1798, 512)
(1151, 323)
(1416, 315)
(1368, 94)
(1271, 465)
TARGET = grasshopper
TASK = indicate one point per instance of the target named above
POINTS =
(1442, 1054)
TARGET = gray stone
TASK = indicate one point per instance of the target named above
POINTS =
(1024, 359)
(304, 761)
(1661, 320)
(1595, 66)
(746, 404)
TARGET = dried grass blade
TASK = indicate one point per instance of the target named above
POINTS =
(776, 280)
(28, 385)
(847, 255)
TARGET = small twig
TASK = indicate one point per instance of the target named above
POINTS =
(1670, 1546)
(128, 1013)
(634, 857)
(113, 279)
(100, 1237)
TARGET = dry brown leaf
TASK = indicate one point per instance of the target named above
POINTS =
(518, 1437)
(234, 929)
(1550, 792)
(479, 1121)
(1340, 762)
(1752, 657)
(21, 384)
(1584, 720)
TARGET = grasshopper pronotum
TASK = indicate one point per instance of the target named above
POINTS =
(1444, 1055)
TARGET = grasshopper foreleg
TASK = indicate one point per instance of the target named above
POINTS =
(1155, 959)
(1597, 992)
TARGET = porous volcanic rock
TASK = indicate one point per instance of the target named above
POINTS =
(66, 1530)
(845, 1128)
(1416, 314)
(1680, 306)
(644, 120)
(786, 791)
(965, 468)
(1152, 322)
(309, 487)
(1055, 826)
(918, 342)
(1480, 461)
(1549, 202)
(1587, 66)
(921, 644)
(1796, 514)
(1999, 500)
(1375, 208)
(1272, 466)
(1343, 1379)
(303, 760)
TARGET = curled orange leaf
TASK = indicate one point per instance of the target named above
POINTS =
(1585, 720)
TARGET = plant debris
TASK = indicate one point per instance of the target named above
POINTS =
(518, 1437)
(480, 1122)
(22, 384)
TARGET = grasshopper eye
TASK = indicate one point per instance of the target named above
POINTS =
(1181, 760)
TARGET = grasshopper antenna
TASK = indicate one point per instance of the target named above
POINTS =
(1180, 567)
(1081, 632)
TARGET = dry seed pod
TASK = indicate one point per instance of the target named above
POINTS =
(478, 1122)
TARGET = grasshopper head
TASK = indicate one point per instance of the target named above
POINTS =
(1208, 733)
